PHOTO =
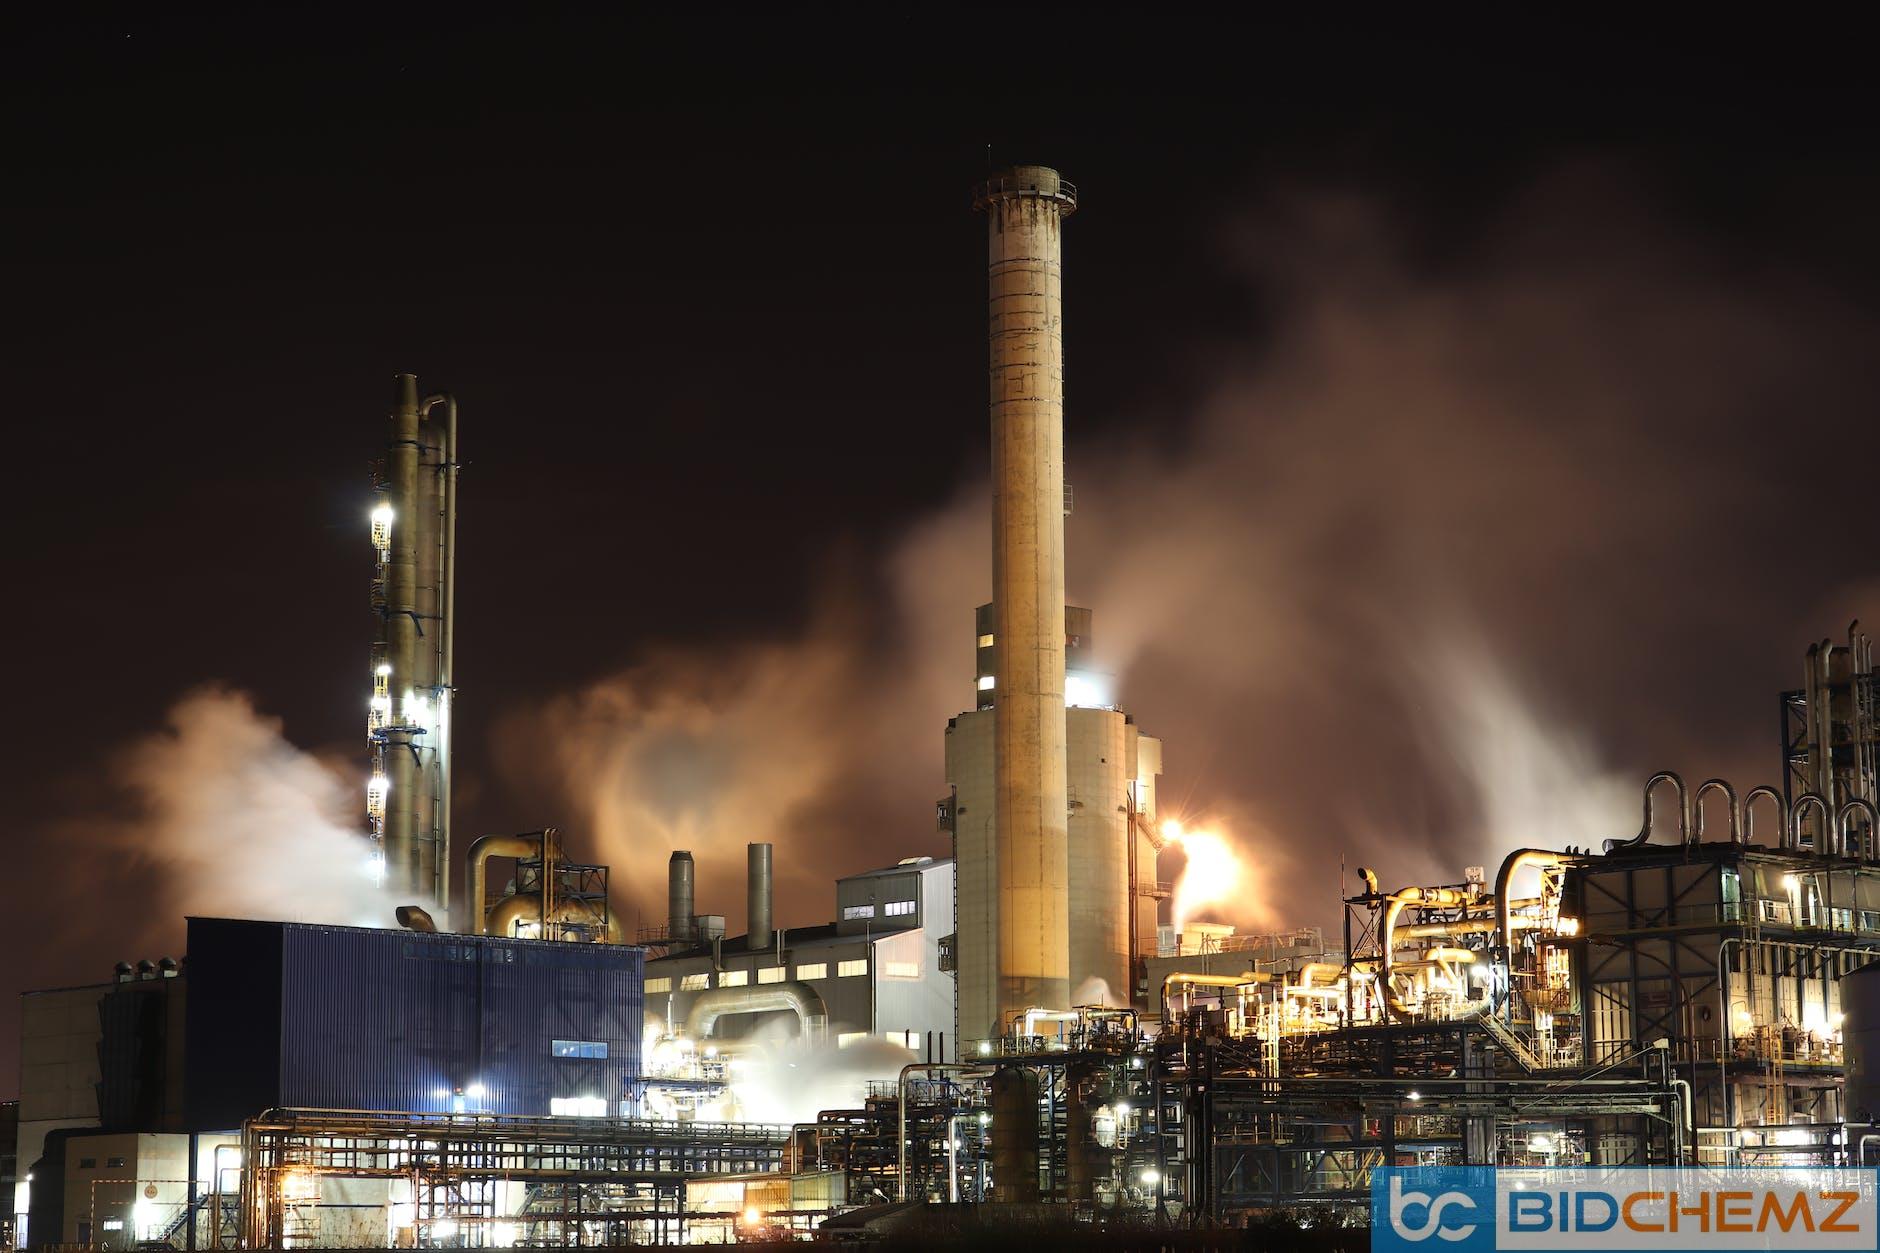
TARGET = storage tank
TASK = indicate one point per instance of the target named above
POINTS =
(1860, 1037)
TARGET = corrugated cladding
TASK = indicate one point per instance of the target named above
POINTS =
(396, 1020)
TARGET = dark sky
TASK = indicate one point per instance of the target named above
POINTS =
(711, 298)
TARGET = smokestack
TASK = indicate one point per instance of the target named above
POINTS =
(758, 885)
(679, 897)
(1025, 208)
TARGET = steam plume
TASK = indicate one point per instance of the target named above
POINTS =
(222, 816)
(1444, 557)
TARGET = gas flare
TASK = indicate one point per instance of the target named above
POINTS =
(1212, 876)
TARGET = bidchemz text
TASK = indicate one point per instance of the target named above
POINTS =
(1475, 1209)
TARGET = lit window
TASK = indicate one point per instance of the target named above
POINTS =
(847, 1038)
(112, 1224)
(985, 641)
(695, 983)
(852, 912)
(859, 966)
(770, 974)
(985, 682)
(898, 909)
(900, 970)
(577, 1107)
(906, 1039)
(662, 984)
(733, 978)
(813, 970)
(579, 1048)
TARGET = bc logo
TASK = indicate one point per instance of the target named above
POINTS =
(1433, 1213)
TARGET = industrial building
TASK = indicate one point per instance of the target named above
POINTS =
(520, 1071)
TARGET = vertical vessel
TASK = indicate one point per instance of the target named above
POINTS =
(414, 527)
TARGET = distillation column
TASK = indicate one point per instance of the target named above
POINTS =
(1025, 208)
(414, 531)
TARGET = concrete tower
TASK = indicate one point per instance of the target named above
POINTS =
(1025, 210)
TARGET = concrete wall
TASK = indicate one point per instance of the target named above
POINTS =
(969, 751)
(1099, 774)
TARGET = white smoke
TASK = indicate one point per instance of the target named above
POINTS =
(225, 817)
(790, 1080)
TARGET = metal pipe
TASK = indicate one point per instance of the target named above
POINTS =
(1504, 878)
(1735, 811)
(1645, 828)
(528, 844)
(901, 1099)
(799, 998)
(1858, 805)
(447, 630)
(1803, 803)
(1395, 904)
(1749, 814)
(758, 889)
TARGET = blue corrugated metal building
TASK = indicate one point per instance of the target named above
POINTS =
(291, 1014)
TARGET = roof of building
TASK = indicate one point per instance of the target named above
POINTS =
(795, 939)
(902, 867)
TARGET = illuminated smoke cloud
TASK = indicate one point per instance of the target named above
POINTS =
(220, 815)
(1444, 557)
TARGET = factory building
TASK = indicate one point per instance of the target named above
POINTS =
(1111, 849)
(353, 1018)
(875, 971)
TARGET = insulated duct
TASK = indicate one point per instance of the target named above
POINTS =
(799, 998)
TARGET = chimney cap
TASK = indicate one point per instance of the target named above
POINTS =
(1027, 182)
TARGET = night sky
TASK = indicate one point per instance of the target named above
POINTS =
(1387, 356)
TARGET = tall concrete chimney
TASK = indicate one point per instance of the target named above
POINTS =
(1025, 209)
(758, 886)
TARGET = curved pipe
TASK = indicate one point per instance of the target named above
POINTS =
(1865, 852)
(1735, 811)
(799, 998)
(1504, 925)
(414, 918)
(1395, 904)
(1179, 979)
(1803, 803)
(1750, 798)
(1370, 879)
(529, 844)
(1645, 828)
